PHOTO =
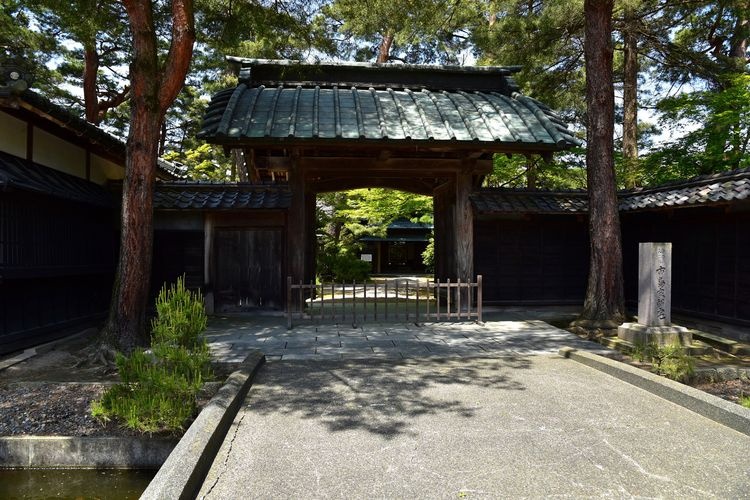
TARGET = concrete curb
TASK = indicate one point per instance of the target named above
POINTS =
(84, 452)
(183, 473)
(719, 410)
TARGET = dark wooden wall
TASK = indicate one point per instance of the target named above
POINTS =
(532, 259)
(57, 262)
(710, 258)
(177, 253)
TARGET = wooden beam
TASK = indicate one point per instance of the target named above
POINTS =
(296, 225)
(331, 184)
(208, 250)
(463, 223)
(408, 165)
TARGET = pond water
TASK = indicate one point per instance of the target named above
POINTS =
(114, 484)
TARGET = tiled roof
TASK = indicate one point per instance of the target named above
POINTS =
(29, 176)
(506, 201)
(185, 195)
(294, 111)
(704, 190)
(714, 188)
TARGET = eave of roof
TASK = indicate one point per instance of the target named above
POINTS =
(17, 173)
(296, 111)
(195, 195)
(713, 189)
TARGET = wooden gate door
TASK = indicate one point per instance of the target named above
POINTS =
(248, 269)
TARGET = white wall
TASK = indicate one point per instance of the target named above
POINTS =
(12, 135)
(53, 152)
(103, 170)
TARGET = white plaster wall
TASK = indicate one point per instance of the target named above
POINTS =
(53, 152)
(103, 170)
(12, 135)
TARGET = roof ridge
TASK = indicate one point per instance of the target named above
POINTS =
(693, 181)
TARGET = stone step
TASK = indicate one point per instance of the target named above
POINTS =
(723, 344)
(696, 348)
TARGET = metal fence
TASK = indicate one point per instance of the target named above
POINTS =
(401, 300)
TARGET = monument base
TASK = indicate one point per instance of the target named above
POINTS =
(636, 333)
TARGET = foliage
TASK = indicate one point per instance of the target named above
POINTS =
(563, 173)
(721, 142)
(342, 267)
(412, 31)
(345, 216)
(671, 361)
(745, 401)
(158, 387)
(428, 256)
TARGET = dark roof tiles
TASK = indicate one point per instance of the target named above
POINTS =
(212, 196)
(17, 173)
(710, 189)
(299, 110)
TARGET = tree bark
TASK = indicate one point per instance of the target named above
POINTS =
(384, 51)
(154, 88)
(90, 72)
(604, 305)
(630, 102)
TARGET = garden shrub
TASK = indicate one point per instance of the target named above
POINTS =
(671, 361)
(158, 388)
(342, 268)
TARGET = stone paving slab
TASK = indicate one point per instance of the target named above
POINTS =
(231, 337)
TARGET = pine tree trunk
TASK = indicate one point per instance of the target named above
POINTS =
(154, 88)
(630, 103)
(126, 326)
(604, 305)
(384, 51)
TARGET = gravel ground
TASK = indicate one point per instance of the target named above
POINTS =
(730, 390)
(52, 409)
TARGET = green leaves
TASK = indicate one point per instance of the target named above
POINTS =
(158, 388)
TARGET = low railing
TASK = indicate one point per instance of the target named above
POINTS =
(401, 300)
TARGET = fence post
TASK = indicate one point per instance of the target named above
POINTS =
(288, 302)
(479, 298)
(417, 320)
(354, 303)
(448, 296)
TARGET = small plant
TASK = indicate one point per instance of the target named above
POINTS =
(745, 401)
(673, 362)
(158, 387)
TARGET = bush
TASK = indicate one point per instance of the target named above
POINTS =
(158, 387)
(342, 268)
(671, 361)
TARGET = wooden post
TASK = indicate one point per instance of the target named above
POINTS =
(479, 298)
(208, 238)
(463, 223)
(296, 225)
(289, 302)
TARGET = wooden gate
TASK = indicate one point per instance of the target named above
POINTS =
(402, 300)
(248, 269)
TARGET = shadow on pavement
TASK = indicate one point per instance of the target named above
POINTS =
(376, 396)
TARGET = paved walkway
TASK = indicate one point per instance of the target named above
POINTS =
(231, 337)
(507, 426)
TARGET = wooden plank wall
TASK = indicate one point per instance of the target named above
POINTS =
(57, 262)
(710, 257)
(532, 259)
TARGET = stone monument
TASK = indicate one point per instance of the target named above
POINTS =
(654, 300)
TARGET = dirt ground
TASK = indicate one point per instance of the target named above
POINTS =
(51, 393)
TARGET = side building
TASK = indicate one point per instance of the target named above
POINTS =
(58, 219)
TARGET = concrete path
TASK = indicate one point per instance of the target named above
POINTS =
(468, 428)
(455, 410)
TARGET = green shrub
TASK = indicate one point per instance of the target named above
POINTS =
(745, 401)
(342, 268)
(158, 387)
(673, 362)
